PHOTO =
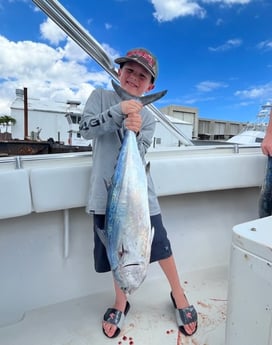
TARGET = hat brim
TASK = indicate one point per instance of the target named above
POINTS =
(124, 59)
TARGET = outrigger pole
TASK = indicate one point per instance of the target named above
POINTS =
(55, 11)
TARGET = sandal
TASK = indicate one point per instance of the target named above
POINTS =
(115, 317)
(185, 316)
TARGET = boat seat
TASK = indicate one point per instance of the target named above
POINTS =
(15, 198)
(193, 175)
(62, 187)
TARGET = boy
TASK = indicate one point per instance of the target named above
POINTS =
(104, 120)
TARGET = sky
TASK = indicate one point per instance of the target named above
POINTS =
(214, 55)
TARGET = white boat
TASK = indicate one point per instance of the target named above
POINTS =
(50, 294)
(255, 131)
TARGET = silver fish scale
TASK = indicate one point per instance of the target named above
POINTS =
(127, 227)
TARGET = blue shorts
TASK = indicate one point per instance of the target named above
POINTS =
(160, 249)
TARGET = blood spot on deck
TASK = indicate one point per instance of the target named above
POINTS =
(170, 331)
(125, 339)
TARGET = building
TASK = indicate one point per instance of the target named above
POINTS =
(206, 129)
(218, 129)
(40, 120)
(164, 138)
(187, 114)
(59, 121)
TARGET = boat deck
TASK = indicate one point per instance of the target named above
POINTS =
(151, 319)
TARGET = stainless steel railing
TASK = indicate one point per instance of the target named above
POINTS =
(55, 11)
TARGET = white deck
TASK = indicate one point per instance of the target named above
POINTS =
(150, 320)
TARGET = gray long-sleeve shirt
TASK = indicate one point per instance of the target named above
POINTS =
(102, 121)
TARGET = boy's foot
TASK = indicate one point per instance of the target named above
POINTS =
(186, 315)
(113, 321)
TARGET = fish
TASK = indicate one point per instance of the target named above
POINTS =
(265, 198)
(127, 234)
(145, 100)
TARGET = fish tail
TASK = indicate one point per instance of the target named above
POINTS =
(102, 235)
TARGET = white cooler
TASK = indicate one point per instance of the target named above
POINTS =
(249, 315)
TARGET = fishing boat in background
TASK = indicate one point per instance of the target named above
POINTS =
(255, 131)
(50, 293)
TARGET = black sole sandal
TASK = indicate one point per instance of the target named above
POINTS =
(117, 318)
(185, 316)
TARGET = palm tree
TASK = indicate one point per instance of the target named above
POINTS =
(6, 119)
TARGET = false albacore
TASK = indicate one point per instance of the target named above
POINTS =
(125, 96)
(127, 234)
(265, 200)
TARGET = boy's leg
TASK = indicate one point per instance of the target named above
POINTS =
(169, 268)
(102, 265)
(119, 304)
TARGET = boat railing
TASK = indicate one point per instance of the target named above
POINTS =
(56, 12)
(17, 162)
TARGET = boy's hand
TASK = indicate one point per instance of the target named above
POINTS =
(267, 145)
(133, 122)
(131, 106)
(132, 109)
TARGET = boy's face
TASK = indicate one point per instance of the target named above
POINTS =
(135, 79)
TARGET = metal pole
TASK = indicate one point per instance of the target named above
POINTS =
(25, 113)
(55, 11)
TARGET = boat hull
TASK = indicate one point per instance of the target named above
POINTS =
(46, 239)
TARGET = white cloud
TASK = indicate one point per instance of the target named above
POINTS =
(51, 32)
(108, 26)
(255, 92)
(59, 70)
(230, 44)
(207, 86)
(171, 9)
(48, 73)
(111, 52)
(229, 2)
(265, 45)
(73, 52)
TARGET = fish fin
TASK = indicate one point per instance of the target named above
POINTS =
(107, 184)
(152, 234)
(102, 235)
(147, 167)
